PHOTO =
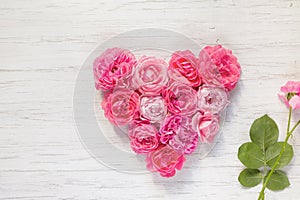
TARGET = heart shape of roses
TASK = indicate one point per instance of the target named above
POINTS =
(168, 107)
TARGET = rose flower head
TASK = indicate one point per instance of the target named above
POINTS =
(183, 68)
(290, 94)
(219, 66)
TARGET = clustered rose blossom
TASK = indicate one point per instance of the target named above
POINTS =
(169, 108)
(290, 94)
(153, 108)
(219, 66)
(183, 67)
(180, 98)
(111, 66)
(212, 98)
(165, 160)
(120, 106)
(143, 138)
(150, 75)
(207, 125)
(179, 133)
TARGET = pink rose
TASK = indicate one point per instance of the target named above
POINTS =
(219, 66)
(153, 108)
(143, 137)
(137, 119)
(120, 107)
(183, 68)
(290, 94)
(111, 66)
(150, 75)
(207, 125)
(185, 139)
(180, 99)
(179, 133)
(212, 98)
(165, 160)
(169, 128)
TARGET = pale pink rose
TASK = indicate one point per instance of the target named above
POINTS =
(111, 66)
(207, 125)
(183, 67)
(143, 137)
(153, 108)
(180, 99)
(165, 160)
(290, 94)
(212, 98)
(185, 139)
(219, 66)
(150, 75)
(120, 106)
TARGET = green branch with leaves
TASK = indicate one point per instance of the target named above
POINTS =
(264, 156)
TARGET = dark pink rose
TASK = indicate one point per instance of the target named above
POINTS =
(150, 75)
(212, 98)
(143, 137)
(169, 128)
(207, 125)
(185, 139)
(183, 68)
(180, 99)
(120, 106)
(137, 119)
(179, 133)
(165, 160)
(111, 66)
(219, 66)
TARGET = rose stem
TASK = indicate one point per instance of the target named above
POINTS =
(288, 134)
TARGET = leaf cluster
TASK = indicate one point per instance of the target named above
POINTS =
(260, 155)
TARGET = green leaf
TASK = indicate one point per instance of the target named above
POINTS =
(278, 181)
(273, 152)
(264, 132)
(251, 155)
(250, 177)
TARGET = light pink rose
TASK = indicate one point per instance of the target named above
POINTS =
(143, 137)
(219, 66)
(290, 94)
(207, 125)
(183, 68)
(111, 66)
(180, 98)
(153, 108)
(120, 107)
(150, 75)
(212, 98)
(165, 160)
(185, 139)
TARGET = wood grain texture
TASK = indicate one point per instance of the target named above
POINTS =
(42, 46)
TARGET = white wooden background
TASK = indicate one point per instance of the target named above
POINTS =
(43, 44)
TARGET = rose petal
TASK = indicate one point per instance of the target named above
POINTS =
(295, 102)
